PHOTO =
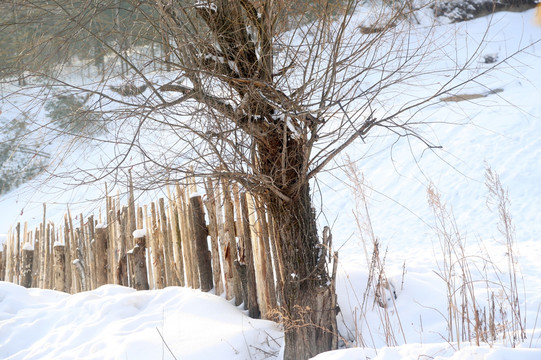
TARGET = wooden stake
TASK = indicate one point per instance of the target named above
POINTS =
(101, 255)
(266, 253)
(165, 242)
(259, 260)
(67, 255)
(140, 265)
(232, 242)
(210, 204)
(150, 255)
(27, 263)
(226, 258)
(253, 307)
(59, 267)
(200, 235)
(157, 249)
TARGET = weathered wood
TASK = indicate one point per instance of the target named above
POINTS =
(178, 240)
(253, 306)
(266, 253)
(67, 254)
(101, 255)
(122, 265)
(76, 278)
(166, 244)
(192, 275)
(259, 260)
(27, 264)
(225, 254)
(148, 227)
(174, 236)
(17, 252)
(278, 266)
(238, 224)
(229, 227)
(92, 251)
(157, 249)
(48, 280)
(140, 264)
(132, 224)
(81, 272)
(243, 277)
(200, 235)
(210, 204)
(42, 268)
(35, 265)
(59, 267)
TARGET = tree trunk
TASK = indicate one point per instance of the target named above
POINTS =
(308, 308)
(308, 295)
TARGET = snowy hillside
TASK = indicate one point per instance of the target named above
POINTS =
(500, 129)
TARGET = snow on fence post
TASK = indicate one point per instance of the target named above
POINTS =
(27, 263)
(200, 233)
(253, 307)
(59, 267)
(210, 204)
(100, 247)
(139, 260)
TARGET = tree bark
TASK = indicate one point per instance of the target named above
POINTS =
(308, 308)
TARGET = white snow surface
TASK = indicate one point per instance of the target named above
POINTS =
(502, 130)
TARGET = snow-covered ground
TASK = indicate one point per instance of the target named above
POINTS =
(501, 130)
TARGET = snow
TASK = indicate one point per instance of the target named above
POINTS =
(114, 322)
(28, 246)
(139, 233)
(501, 130)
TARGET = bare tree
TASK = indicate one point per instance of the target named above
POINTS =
(266, 93)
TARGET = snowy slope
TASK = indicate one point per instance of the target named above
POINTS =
(502, 130)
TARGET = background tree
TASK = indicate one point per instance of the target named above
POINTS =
(265, 93)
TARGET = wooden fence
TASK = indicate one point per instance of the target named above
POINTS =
(222, 240)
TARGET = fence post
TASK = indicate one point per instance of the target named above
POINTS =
(59, 267)
(101, 255)
(201, 245)
(27, 262)
(210, 204)
(253, 307)
(231, 241)
(139, 261)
